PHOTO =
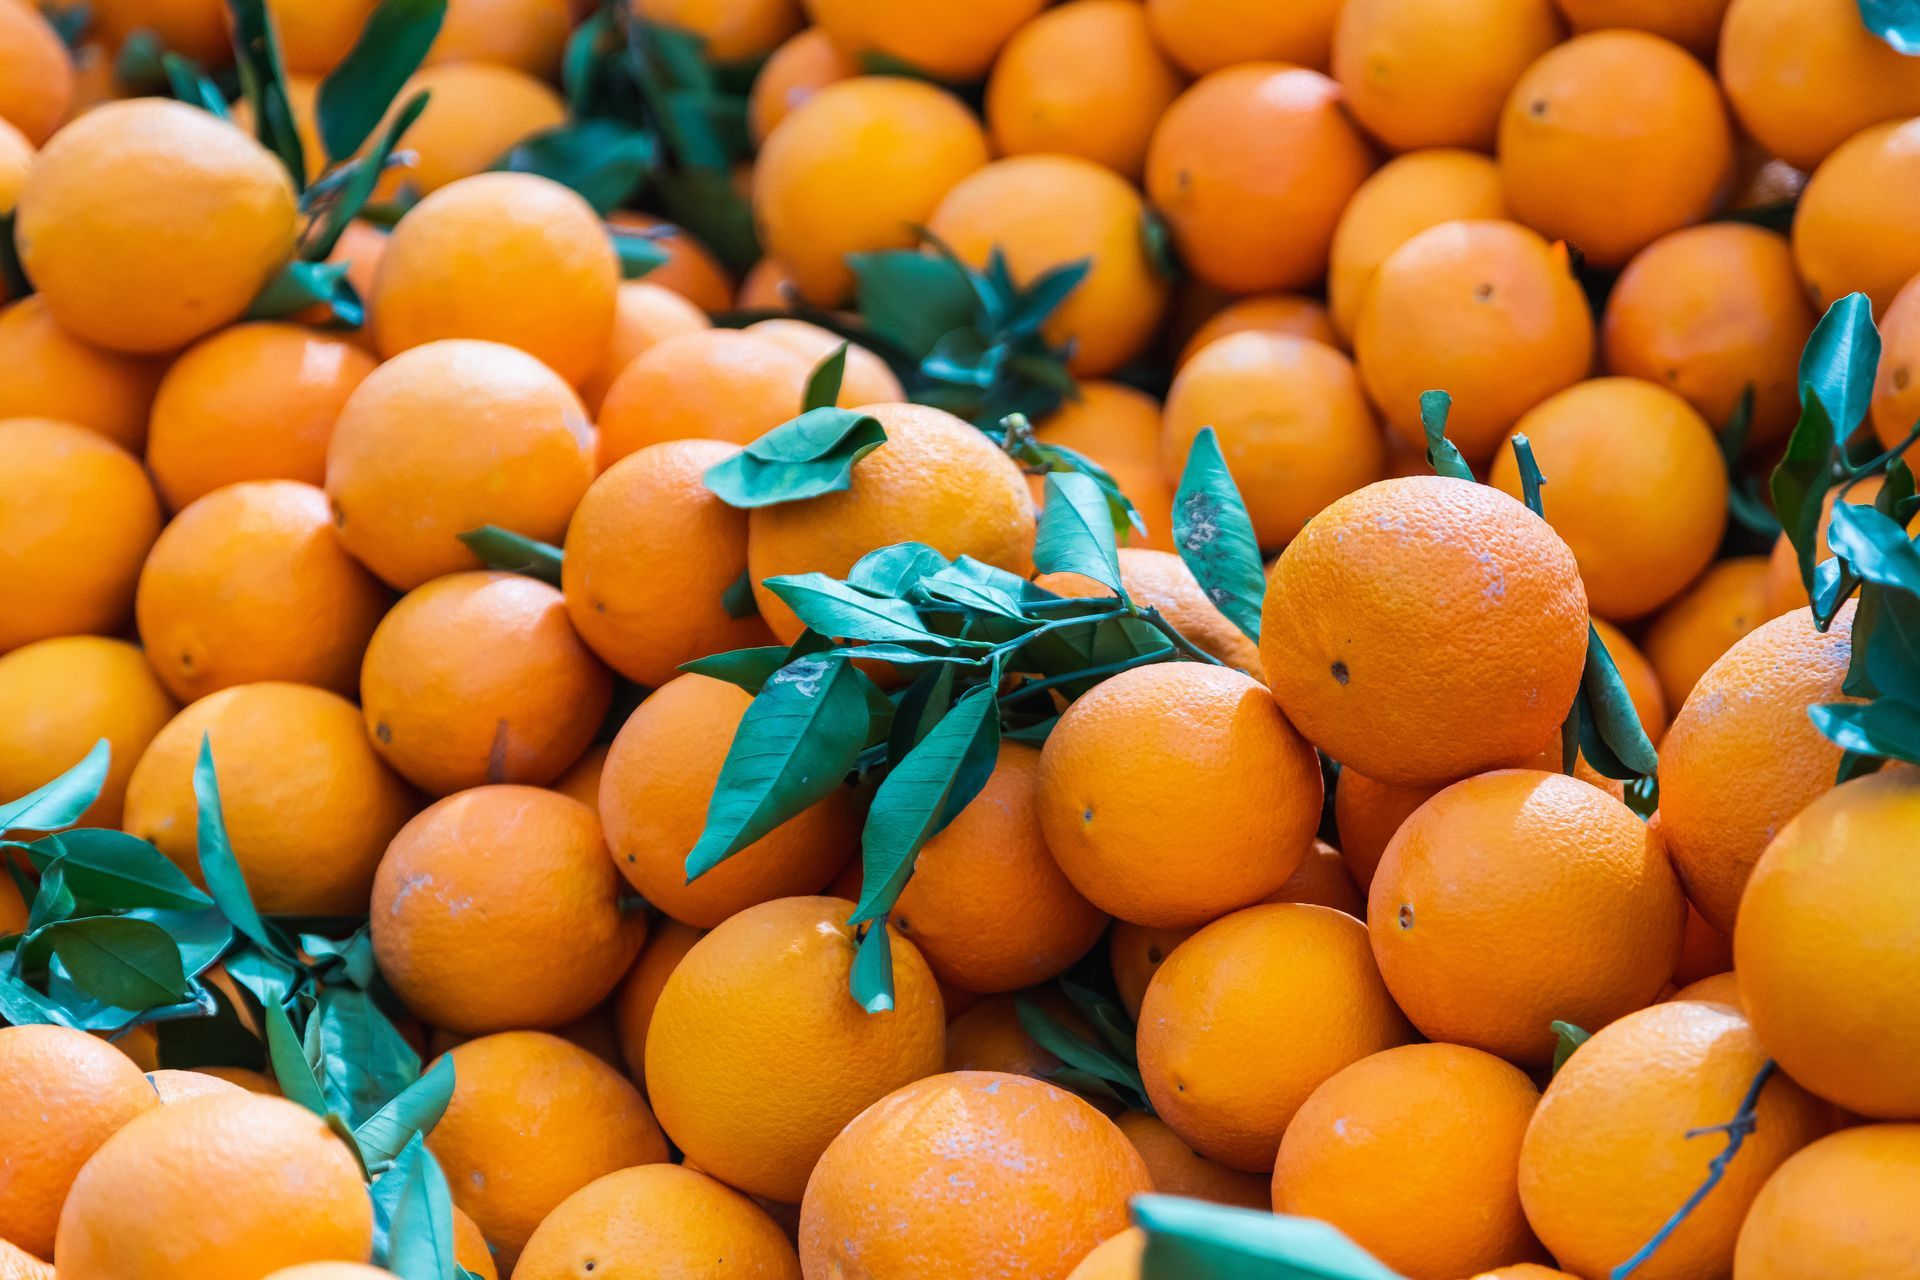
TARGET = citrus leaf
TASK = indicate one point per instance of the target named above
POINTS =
(191, 85)
(919, 708)
(1442, 456)
(1886, 646)
(351, 185)
(220, 870)
(302, 284)
(912, 299)
(706, 203)
(1188, 1238)
(114, 869)
(22, 1006)
(982, 588)
(202, 936)
(1214, 535)
(1895, 21)
(62, 801)
(1080, 1055)
(512, 552)
(1617, 739)
(1157, 239)
(263, 82)
(1836, 382)
(737, 599)
(823, 384)
(413, 1216)
(747, 668)
(801, 458)
(1107, 1017)
(1530, 477)
(895, 570)
(1885, 727)
(1075, 534)
(1054, 457)
(834, 608)
(356, 93)
(639, 252)
(871, 981)
(604, 160)
(360, 1057)
(52, 901)
(1039, 300)
(289, 1060)
(1874, 547)
(128, 963)
(413, 1111)
(1566, 1038)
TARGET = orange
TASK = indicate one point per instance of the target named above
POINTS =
(77, 516)
(1519, 897)
(146, 1204)
(1694, 24)
(854, 167)
(988, 1035)
(1119, 428)
(800, 67)
(644, 315)
(1206, 35)
(1174, 793)
(1249, 1015)
(58, 697)
(308, 805)
(254, 402)
(582, 780)
(653, 798)
(732, 30)
(1435, 73)
(1428, 566)
(1486, 311)
(1840, 1206)
(1741, 757)
(1613, 139)
(986, 904)
(1179, 1170)
(1708, 310)
(148, 223)
(947, 41)
(1391, 1148)
(1822, 946)
(713, 384)
(1844, 240)
(1322, 879)
(479, 677)
(1704, 950)
(1084, 80)
(178, 1086)
(1115, 1258)
(470, 1247)
(650, 553)
(45, 372)
(446, 438)
(1608, 1157)
(1251, 168)
(1288, 315)
(766, 286)
(534, 1119)
(763, 991)
(659, 1219)
(331, 1271)
(668, 942)
(866, 379)
(1404, 197)
(62, 1094)
(1805, 75)
(1161, 580)
(13, 909)
(936, 480)
(951, 1155)
(36, 73)
(525, 34)
(315, 34)
(1293, 423)
(249, 583)
(1715, 988)
(1896, 392)
(1366, 814)
(498, 909)
(476, 112)
(1135, 953)
(690, 270)
(196, 29)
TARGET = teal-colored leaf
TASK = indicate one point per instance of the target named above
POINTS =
(1614, 720)
(348, 188)
(132, 964)
(912, 299)
(895, 570)
(1035, 304)
(220, 870)
(1075, 535)
(834, 608)
(604, 160)
(202, 935)
(802, 458)
(413, 1111)
(1187, 1239)
(1875, 547)
(1530, 477)
(823, 384)
(982, 588)
(1053, 457)
(52, 901)
(1214, 535)
(738, 599)
(1836, 383)
(1885, 727)
(640, 252)
(413, 1215)
(302, 284)
(1121, 1081)
(22, 1006)
(191, 85)
(1107, 1017)
(356, 94)
(1895, 21)
(289, 1060)
(360, 1058)
(62, 801)
(1442, 456)
(1566, 1038)
(747, 668)
(263, 82)
(512, 552)
(918, 708)
(114, 869)
(871, 982)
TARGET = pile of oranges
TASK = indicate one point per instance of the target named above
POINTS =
(391, 564)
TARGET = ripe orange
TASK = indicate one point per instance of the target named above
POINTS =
(866, 378)
(661, 1219)
(1390, 1149)
(13, 909)
(1704, 950)
(479, 677)
(36, 73)
(1289, 315)
(527, 34)
(690, 270)
(1322, 880)
(1135, 953)
(1424, 629)
(1081, 80)
(1115, 1258)
(470, 1247)
(645, 314)
(1179, 1170)
(1251, 168)
(476, 112)
(178, 1086)
(766, 286)
(1727, 602)
(1715, 988)
(952, 1154)
(58, 697)
(148, 223)
(803, 65)
(1609, 1155)
(947, 42)
(659, 776)
(668, 942)
(855, 166)
(1161, 580)
(1741, 757)
(763, 991)
(1486, 311)
(315, 34)
(1896, 392)
(196, 29)
(1206, 35)
(146, 1204)
(45, 372)
(1843, 239)
(1693, 24)
(1367, 813)
(534, 1119)
(713, 384)
(448, 437)
(1837, 1207)
(987, 1034)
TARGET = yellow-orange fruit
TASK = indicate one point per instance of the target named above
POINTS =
(803, 65)
(866, 378)
(46, 372)
(661, 1219)
(476, 112)
(1896, 391)
(1290, 315)
(196, 29)
(1115, 1258)
(1206, 35)
(58, 697)
(691, 269)
(36, 74)
(1161, 580)
(315, 34)
(668, 942)
(1841, 1206)
(644, 314)
(178, 1086)
(1693, 24)
(948, 41)
(713, 384)
(1179, 1170)
(1367, 813)
(1690, 634)
(1845, 239)
(527, 34)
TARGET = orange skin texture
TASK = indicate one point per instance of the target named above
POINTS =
(1367, 813)
(1404, 197)
(62, 1094)
(764, 990)
(476, 113)
(178, 1086)
(1174, 793)
(315, 34)
(1613, 139)
(533, 1119)
(691, 270)
(713, 384)
(1000, 1175)
(141, 1206)
(448, 437)
(734, 30)
(1390, 1149)
(58, 697)
(525, 34)
(1115, 1258)
(582, 781)
(45, 372)
(1844, 237)
(308, 804)
(645, 314)
(854, 167)
(197, 29)
(1486, 310)
(650, 552)
(1251, 168)
(1161, 580)
(36, 73)
(1289, 315)
(866, 379)
(764, 287)
(1806, 75)
(1643, 685)
(1518, 897)
(1704, 951)
(1693, 24)
(331, 1271)
(803, 65)
(1742, 758)
(987, 905)
(936, 479)
(77, 517)
(659, 776)
(1293, 422)
(17, 1264)
(658, 1220)
(1896, 390)
(148, 223)
(1119, 428)
(988, 1036)
(1840, 1207)
(1435, 73)
(1716, 988)
(1177, 1170)
(250, 583)
(1606, 1160)
(1361, 605)
(1082, 80)
(470, 1248)
(1823, 942)
(1706, 310)
(1135, 953)
(668, 942)
(254, 402)
(1638, 488)
(1206, 35)
(953, 42)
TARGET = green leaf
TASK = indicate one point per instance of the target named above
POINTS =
(1885, 727)
(836, 609)
(289, 1060)
(707, 204)
(823, 384)
(604, 160)
(1122, 1080)
(263, 82)
(356, 93)
(750, 669)
(981, 588)
(1035, 304)
(52, 901)
(413, 1216)
(1442, 456)
(918, 708)
(895, 570)
(130, 963)
(871, 982)
(1611, 734)
(1075, 535)
(220, 870)
(802, 458)
(361, 1059)
(191, 85)
(738, 599)
(1895, 21)
(1157, 239)
(512, 552)
(22, 1006)
(413, 1111)
(640, 252)
(114, 869)
(1053, 457)
(302, 284)
(349, 960)
(217, 1039)
(63, 800)
(1530, 477)
(1836, 383)
(1214, 535)
(1875, 547)
(269, 979)
(202, 936)
(1566, 1038)
(348, 188)
(1107, 1017)
(1187, 1239)
(912, 299)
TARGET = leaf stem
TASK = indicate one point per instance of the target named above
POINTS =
(1090, 673)
(1154, 618)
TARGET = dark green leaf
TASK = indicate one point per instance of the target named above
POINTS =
(289, 1060)
(52, 901)
(1081, 1055)
(218, 867)
(1214, 535)
(1614, 720)
(1108, 1018)
(1886, 646)
(871, 982)
(1874, 547)
(191, 85)
(1192, 1238)
(1157, 239)
(802, 458)
(361, 1059)
(349, 187)
(263, 82)
(1895, 21)
(1530, 477)
(63, 800)
(1566, 1038)
(604, 160)
(1883, 727)
(967, 358)
(118, 960)
(823, 385)
(833, 608)
(22, 1006)
(268, 978)
(302, 284)
(218, 1039)
(1836, 383)
(203, 935)
(1053, 457)
(747, 668)
(912, 299)
(738, 599)
(114, 869)
(1039, 300)
(920, 707)
(1442, 456)
(414, 1110)
(350, 960)
(639, 252)
(413, 1213)
(1075, 535)
(356, 94)
(512, 552)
